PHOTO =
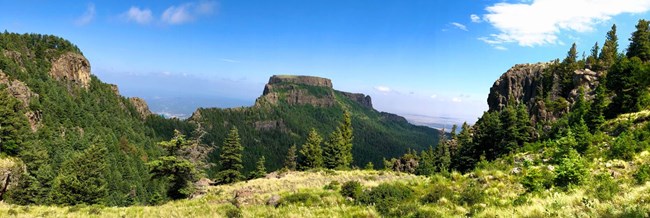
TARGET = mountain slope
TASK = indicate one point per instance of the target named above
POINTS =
(70, 114)
(292, 105)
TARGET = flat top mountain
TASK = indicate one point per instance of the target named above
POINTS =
(292, 105)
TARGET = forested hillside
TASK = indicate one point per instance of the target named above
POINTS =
(78, 139)
(292, 105)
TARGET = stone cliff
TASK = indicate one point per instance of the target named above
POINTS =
(71, 67)
(536, 87)
(24, 94)
(140, 106)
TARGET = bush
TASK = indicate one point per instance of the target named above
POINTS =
(333, 185)
(473, 194)
(537, 179)
(623, 147)
(642, 174)
(606, 187)
(436, 192)
(233, 212)
(386, 196)
(570, 171)
(306, 199)
(351, 189)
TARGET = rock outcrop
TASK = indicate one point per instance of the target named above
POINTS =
(140, 106)
(72, 67)
(362, 99)
(298, 90)
(21, 91)
(531, 85)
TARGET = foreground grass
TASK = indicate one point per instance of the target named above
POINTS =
(498, 194)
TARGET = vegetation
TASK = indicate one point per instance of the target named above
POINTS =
(231, 161)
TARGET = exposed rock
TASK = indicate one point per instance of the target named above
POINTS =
(273, 201)
(72, 67)
(115, 89)
(20, 91)
(267, 125)
(11, 170)
(295, 90)
(201, 188)
(393, 117)
(360, 98)
(140, 106)
(525, 83)
(305, 80)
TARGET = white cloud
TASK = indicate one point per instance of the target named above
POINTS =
(456, 99)
(140, 16)
(434, 96)
(382, 88)
(187, 12)
(475, 18)
(87, 17)
(459, 26)
(499, 47)
(540, 22)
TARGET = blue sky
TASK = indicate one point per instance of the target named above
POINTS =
(433, 58)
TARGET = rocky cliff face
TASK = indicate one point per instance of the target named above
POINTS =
(298, 90)
(20, 91)
(533, 86)
(360, 98)
(71, 67)
(140, 106)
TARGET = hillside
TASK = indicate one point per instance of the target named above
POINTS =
(292, 105)
(61, 125)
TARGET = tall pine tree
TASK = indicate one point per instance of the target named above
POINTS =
(231, 159)
(82, 178)
(640, 42)
(179, 172)
(609, 52)
(291, 160)
(312, 152)
(13, 124)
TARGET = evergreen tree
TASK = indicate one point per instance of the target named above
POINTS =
(582, 135)
(595, 116)
(426, 165)
(13, 124)
(609, 52)
(369, 166)
(260, 170)
(312, 152)
(442, 157)
(82, 178)
(347, 136)
(592, 60)
(640, 42)
(179, 172)
(568, 66)
(580, 108)
(624, 82)
(291, 160)
(231, 158)
(333, 151)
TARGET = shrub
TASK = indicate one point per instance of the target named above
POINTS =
(436, 192)
(386, 197)
(537, 179)
(570, 171)
(351, 189)
(623, 147)
(472, 194)
(606, 187)
(233, 212)
(333, 185)
(306, 199)
(642, 174)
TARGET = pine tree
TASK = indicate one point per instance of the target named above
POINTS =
(595, 116)
(312, 152)
(179, 172)
(82, 179)
(13, 124)
(580, 108)
(582, 135)
(260, 170)
(333, 151)
(592, 60)
(569, 65)
(291, 161)
(231, 159)
(640, 42)
(609, 52)
(347, 137)
(426, 165)
(442, 157)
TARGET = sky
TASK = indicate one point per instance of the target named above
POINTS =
(435, 59)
